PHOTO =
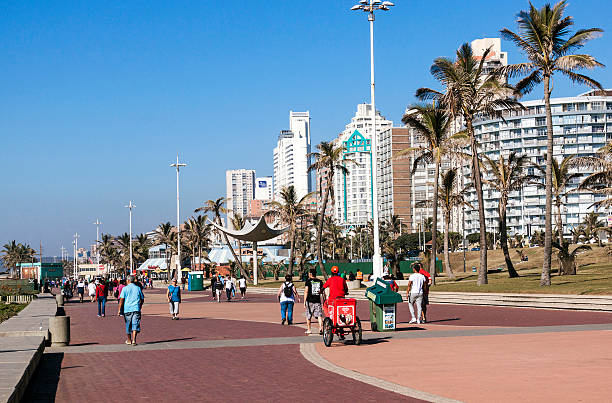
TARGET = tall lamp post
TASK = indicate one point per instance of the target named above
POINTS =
(178, 165)
(63, 252)
(97, 224)
(369, 7)
(131, 206)
(76, 256)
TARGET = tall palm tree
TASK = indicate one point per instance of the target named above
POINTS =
(449, 199)
(506, 176)
(432, 124)
(600, 181)
(141, 248)
(14, 253)
(330, 159)
(217, 207)
(468, 92)
(289, 209)
(543, 38)
(593, 227)
(238, 224)
(561, 179)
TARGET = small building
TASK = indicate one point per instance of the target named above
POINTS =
(40, 271)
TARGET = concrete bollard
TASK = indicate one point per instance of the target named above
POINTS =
(354, 285)
(59, 327)
(60, 299)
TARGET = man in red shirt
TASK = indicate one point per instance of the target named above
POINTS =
(425, 290)
(337, 289)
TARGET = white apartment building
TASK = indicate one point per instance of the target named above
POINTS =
(291, 159)
(264, 188)
(353, 198)
(581, 126)
(495, 59)
(240, 190)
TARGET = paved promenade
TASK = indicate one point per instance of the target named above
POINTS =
(239, 351)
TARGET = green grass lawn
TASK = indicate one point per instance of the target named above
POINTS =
(8, 310)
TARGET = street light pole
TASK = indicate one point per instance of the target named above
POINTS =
(178, 165)
(370, 7)
(63, 252)
(76, 251)
(131, 206)
(97, 224)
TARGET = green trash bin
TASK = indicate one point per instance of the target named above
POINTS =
(383, 302)
(195, 281)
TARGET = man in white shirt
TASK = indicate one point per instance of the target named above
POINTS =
(91, 289)
(242, 283)
(414, 293)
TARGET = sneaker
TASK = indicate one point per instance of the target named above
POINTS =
(98, 316)
(418, 322)
(289, 323)
(128, 342)
(308, 332)
(283, 322)
(413, 321)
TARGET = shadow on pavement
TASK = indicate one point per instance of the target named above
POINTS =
(168, 341)
(375, 340)
(443, 320)
(43, 385)
(83, 344)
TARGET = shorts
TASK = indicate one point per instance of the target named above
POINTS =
(81, 291)
(426, 298)
(242, 290)
(132, 322)
(313, 310)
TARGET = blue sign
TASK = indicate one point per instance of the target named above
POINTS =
(263, 184)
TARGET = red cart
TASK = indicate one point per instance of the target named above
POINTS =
(341, 318)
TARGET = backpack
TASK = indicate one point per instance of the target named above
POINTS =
(288, 290)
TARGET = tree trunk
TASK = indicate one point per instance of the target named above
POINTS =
(545, 277)
(291, 245)
(434, 225)
(229, 245)
(449, 271)
(320, 230)
(503, 237)
(559, 229)
(482, 270)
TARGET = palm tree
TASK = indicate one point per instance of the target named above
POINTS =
(577, 233)
(567, 259)
(468, 93)
(448, 200)
(164, 236)
(216, 207)
(329, 159)
(593, 226)
(561, 179)
(289, 210)
(432, 124)
(14, 253)
(543, 38)
(141, 248)
(238, 224)
(507, 175)
(600, 181)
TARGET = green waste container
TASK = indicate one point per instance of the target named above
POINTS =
(383, 302)
(195, 281)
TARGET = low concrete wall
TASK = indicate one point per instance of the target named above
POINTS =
(22, 342)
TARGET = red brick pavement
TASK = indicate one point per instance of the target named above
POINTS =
(87, 328)
(238, 374)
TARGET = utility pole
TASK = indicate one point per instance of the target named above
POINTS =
(131, 206)
(76, 251)
(97, 224)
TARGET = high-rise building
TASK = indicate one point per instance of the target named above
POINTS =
(394, 179)
(580, 127)
(240, 190)
(495, 59)
(353, 198)
(291, 159)
(264, 188)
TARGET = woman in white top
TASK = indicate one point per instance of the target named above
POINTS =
(242, 284)
(229, 288)
(91, 289)
(287, 294)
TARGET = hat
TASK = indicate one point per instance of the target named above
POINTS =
(334, 269)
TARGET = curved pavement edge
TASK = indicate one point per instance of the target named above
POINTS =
(309, 352)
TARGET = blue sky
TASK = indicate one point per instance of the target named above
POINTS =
(96, 97)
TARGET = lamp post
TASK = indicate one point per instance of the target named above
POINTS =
(76, 251)
(131, 206)
(63, 252)
(178, 165)
(369, 7)
(97, 224)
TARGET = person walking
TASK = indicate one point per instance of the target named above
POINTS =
(229, 288)
(81, 289)
(414, 293)
(183, 282)
(425, 292)
(101, 294)
(174, 299)
(213, 286)
(131, 300)
(219, 285)
(313, 288)
(287, 295)
(242, 284)
(91, 290)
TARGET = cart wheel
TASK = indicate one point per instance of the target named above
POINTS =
(356, 330)
(328, 335)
